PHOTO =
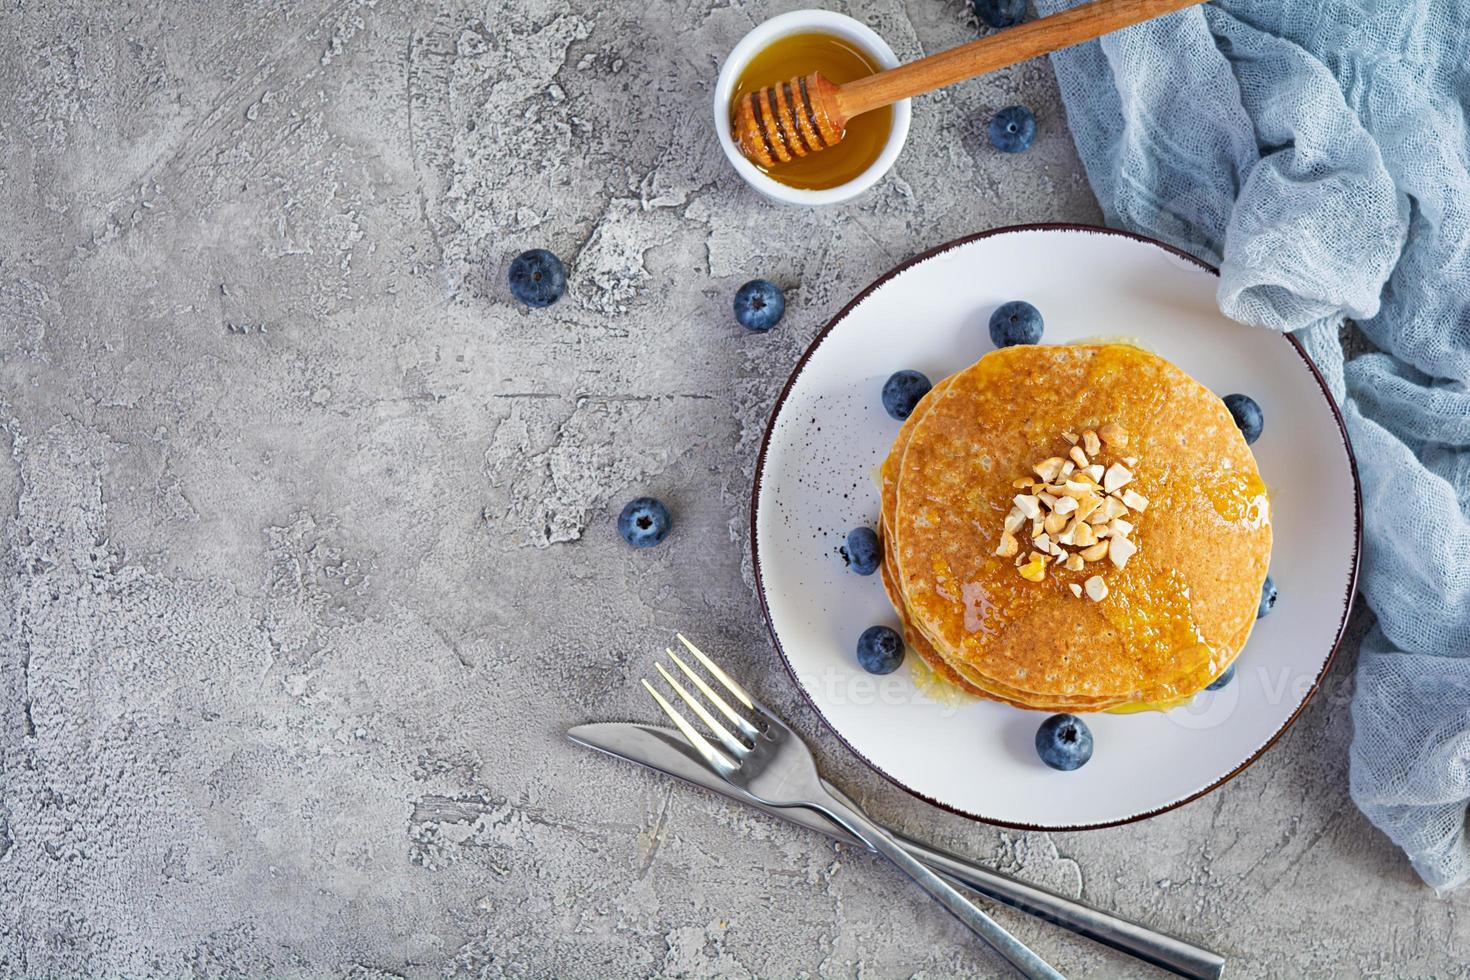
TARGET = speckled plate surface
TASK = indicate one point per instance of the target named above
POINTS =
(814, 481)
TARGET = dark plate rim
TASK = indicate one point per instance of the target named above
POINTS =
(760, 467)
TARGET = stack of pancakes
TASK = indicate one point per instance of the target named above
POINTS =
(1174, 616)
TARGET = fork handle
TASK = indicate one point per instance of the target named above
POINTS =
(842, 809)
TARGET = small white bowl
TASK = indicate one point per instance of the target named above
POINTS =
(801, 22)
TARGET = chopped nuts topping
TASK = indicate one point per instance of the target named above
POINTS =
(1077, 508)
(1116, 476)
(1114, 435)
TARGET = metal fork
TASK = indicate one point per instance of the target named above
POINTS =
(771, 763)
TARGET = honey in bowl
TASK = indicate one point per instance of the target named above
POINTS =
(839, 60)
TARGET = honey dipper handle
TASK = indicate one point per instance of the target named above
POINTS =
(1008, 47)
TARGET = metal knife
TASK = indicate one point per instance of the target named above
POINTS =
(664, 750)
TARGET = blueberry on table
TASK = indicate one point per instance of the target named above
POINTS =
(902, 392)
(537, 278)
(880, 650)
(759, 305)
(1000, 13)
(1268, 597)
(1064, 742)
(1016, 322)
(1247, 415)
(1013, 129)
(863, 550)
(644, 522)
(1224, 679)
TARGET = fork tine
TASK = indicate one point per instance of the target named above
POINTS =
(719, 674)
(717, 759)
(736, 719)
(732, 744)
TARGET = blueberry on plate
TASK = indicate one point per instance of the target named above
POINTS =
(1013, 129)
(863, 550)
(1000, 13)
(644, 522)
(537, 278)
(902, 393)
(1064, 742)
(880, 650)
(1016, 322)
(1224, 679)
(1268, 597)
(1247, 415)
(759, 305)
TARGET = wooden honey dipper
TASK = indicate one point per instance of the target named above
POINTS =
(808, 114)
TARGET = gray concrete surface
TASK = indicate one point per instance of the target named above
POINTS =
(309, 550)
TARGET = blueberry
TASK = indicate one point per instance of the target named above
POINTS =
(644, 522)
(1000, 13)
(1016, 322)
(863, 550)
(880, 650)
(1222, 680)
(1268, 597)
(1064, 742)
(759, 305)
(902, 393)
(537, 278)
(1013, 129)
(1247, 415)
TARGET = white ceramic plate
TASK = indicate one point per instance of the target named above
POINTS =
(814, 481)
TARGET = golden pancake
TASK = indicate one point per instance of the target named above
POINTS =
(1174, 616)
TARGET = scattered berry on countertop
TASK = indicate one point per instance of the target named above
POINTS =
(1013, 129)
(1247, 415)
(759, 305)
(537, 278)
(1000, 13)
(1064, 742)
(1268, 597)
(902, 393)
(1016, 322)
(644, 522)
(1224, 679)
(863, 550)
(880, 650)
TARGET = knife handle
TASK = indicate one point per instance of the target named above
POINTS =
(1164, 951)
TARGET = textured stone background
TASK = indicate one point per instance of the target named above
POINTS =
(309, 554)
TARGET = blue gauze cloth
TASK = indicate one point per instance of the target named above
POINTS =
(1316, 152)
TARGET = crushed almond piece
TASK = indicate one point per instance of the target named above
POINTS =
(1134, 500)
(1075, 488)
(1078, 456)
(1091, 443)
(1075, 563)
(1116, 477)
(1047, 500)
(1076, 589)
(1067, 469)
(1097, 552)
(1008, 545)
(1029, 505)
(1097, 589)
(1048, 469)
(1042, 542)
(1083, 534)
(1112, 507)
(1086, 505)
(1021, 484)
(1094, 473)
(1114, 435)
(1121, 550)
(1130, 460)
(1014, 520)
(1070, 437)
(1064, 506)
(1055, 521)
(1120, 527)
